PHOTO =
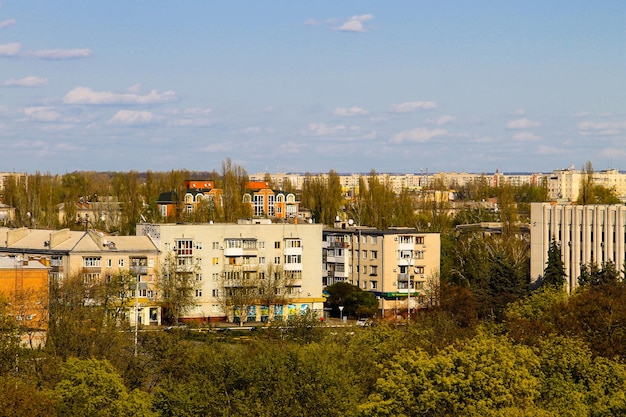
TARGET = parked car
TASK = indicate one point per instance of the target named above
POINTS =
(364, 322)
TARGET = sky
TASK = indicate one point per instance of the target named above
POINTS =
(407, 86)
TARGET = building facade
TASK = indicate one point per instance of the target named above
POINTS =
(400, 266)
(96, 258)
(251, 271)
(586, 234)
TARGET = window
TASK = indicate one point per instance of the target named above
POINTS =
(374, 254)
(261, 260)
(215, 261)
(373, 240)
(419, 254)
(199, 261)
(373, 270)
(167, 247)
(277, 260)
(184, 247)
(373, 285)
(419, 240)
(198, 245)
(109, 263)
(120, 263)
(216, 245)
(215, 292)
(293, 259)
(91, 278)
(293, 243)
(216, 276)
(199, 293)
(261, 245)
(215, 308)
(91, 261)
(364, 254)
(198, 277)
(276, 245)
(365, 269)
(419, 269)
(163, 209)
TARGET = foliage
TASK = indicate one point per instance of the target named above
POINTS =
(177, 285)
(92, 387)
(356, 302)
(323, 196)
(554, 275)
(592, 275)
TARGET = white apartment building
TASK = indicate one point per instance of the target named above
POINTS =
(587, 234)
(226, 257)
(564, 184)
(386, 263)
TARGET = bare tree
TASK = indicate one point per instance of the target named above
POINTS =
(176, 285)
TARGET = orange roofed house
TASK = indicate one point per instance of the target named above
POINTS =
(266, 202)
(169, 203)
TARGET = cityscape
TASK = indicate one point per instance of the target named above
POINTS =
(312, 209)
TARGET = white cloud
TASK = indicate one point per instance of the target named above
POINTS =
(84, 95)
(356, 23)
(347, 112)
(413, 106)
(7, 23)
(443, 120)
(42, 114)
(417, 135)
(132, 117)
(60, 54)
(525, 137)
(311, 22)
(10, 49)
(321, 129)
(290, 147)
(601, 128)
(26, 82)
(522, 124)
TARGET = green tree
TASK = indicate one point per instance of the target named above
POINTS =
(593, 275)
(554, 274)
(356, 302)
(91, 387)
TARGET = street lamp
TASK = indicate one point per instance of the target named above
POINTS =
(341, 313)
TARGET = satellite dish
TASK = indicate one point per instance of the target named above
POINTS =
(350, 222)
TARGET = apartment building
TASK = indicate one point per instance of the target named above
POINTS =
(253, 271)
(196, 192)
(95, 257)
(265, 202)
(400, 266)
(586, 234)
(564, 184)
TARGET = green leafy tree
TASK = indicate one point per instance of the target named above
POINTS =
(594, 275)
(91, 387)
(554, 275)
(356, 302)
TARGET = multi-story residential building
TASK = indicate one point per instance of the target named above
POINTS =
(197, 191)
(24, 287)
(95, 257)
(586, 234)
(268, 203)
(99, 212)
(564, 184)
(385, 262)
(276, 265)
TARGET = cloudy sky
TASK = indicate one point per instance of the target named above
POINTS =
(310, 86)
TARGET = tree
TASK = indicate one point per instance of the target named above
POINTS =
(92, 387)
(177, 285)
(593, 275)
(233, 182)
(554, 275)
(356, 302)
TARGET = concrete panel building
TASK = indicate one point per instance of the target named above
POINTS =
(229, 258)
(586, 234)
(385, 262)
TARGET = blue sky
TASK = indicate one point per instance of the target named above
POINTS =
(295, 86)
